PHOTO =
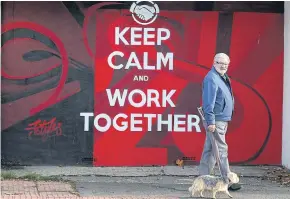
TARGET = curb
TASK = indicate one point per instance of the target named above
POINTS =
(245, 171)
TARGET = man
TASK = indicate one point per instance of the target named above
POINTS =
(218, 106)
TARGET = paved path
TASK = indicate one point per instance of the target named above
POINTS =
(171, 187)
(134, 183)
(20, 189)
(152, 187)
(29, 189)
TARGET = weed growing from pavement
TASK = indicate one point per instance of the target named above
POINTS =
(30, 176)
(7, 176)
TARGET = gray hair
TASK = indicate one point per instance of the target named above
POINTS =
(221, 55)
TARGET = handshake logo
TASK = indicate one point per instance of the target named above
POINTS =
(144, 12)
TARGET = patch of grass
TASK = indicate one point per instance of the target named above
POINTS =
(30, 176)
(7, 176)
(37, 177)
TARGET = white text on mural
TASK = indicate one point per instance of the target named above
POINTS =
(141, 37)
(139, 121)
(143, 101)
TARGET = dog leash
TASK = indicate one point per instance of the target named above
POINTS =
(213, 141)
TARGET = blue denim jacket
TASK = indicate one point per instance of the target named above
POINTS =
(217, 98)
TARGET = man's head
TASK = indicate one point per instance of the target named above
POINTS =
(221, 62)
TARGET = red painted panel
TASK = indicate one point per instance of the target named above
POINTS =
(54, 56)
(193, 37)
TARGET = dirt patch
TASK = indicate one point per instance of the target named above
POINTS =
(278, 175)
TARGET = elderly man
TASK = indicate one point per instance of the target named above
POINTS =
(218, 106)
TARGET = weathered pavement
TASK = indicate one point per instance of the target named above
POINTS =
(171, 187)
(153, 182)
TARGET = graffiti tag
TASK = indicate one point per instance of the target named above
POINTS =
(45, 128)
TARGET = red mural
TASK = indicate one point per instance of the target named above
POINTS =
(46, 59)
(256, 126)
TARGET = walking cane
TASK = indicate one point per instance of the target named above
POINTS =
(213, 141)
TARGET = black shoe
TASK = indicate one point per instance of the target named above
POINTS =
(235, 187)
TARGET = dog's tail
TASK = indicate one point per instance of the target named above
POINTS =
(190, 188)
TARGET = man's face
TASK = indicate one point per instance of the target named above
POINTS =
(221, 65)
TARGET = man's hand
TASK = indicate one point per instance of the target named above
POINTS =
(211, 128)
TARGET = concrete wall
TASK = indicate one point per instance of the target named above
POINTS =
(286, 96)
(55, 67)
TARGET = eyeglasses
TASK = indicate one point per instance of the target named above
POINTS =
(224, 64)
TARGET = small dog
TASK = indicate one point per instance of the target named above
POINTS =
(212, 183)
